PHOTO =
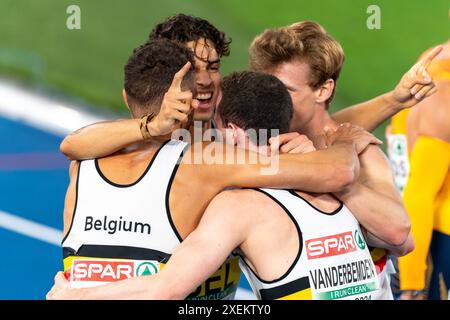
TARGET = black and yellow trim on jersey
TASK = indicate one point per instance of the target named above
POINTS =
(116, 252)
(299, 289)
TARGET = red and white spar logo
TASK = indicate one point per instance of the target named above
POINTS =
(330, 245)
(109, 270)
(98, 270)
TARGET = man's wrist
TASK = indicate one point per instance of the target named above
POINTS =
(391, 102)
(153, 128)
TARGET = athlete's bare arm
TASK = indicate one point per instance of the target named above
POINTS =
(298, 171)
(415, 85)
(374, 200)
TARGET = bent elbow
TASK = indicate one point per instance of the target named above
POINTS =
(405, 248)
(410, 246)
(66, 148)
(399, 235)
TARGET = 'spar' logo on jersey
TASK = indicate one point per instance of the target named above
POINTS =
(330, 245)
(101, 270)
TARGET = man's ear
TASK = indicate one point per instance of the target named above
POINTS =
(325, 91)
(124, 95)
(234, 132)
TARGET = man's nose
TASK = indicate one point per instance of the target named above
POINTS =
(203, 78)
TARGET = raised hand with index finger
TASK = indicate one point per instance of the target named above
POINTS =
(175, 107)
(417, 83)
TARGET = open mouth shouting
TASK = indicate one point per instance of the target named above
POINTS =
(204, 99)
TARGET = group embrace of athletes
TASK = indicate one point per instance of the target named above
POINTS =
(321, 226)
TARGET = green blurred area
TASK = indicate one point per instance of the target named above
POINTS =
(37, 47)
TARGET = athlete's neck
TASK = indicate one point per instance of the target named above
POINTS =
(314, 129)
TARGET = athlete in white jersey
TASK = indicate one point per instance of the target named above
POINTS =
(275, 231)
(112, 221)
(333, 261)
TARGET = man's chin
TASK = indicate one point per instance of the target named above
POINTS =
(203, 114)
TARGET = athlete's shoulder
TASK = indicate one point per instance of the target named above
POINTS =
(244, 196)
(373, 155)
(245, 201)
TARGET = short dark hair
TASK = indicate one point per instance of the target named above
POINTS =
(255, 100)
(184, 28)
(149, 73)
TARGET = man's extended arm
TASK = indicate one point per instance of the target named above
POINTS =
(370, 114)
(415, 85)
(328, 170)
(101, 139)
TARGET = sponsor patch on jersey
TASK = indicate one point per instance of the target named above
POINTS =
(94, 272)
(398, 156)
(328, 246)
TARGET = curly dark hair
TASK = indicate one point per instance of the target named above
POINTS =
(184, 28)
(255, 100)
(149, 73)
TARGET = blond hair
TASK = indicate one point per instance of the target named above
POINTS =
(306, 41)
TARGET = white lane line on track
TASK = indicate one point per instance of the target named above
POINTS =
(39, 111)
(31, 229)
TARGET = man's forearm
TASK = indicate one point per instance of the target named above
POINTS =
(369, 114)
(101, 139)
(140, 288)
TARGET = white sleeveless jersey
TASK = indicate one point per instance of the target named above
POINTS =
(333, 261)
(124, 231)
